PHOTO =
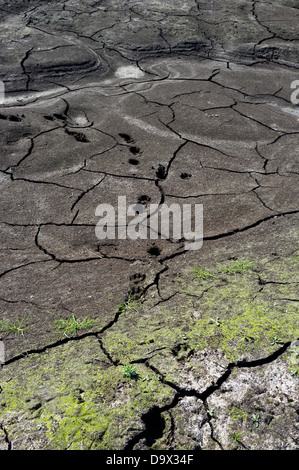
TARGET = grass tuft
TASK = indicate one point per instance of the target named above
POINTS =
(71, 325)
(17, 327)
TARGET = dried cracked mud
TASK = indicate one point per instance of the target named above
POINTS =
(142, 344)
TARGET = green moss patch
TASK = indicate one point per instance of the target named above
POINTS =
(224, 306)
(74, 398)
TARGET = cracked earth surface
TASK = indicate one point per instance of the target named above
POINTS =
(175, 102)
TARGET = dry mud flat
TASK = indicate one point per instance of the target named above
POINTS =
(141, 344)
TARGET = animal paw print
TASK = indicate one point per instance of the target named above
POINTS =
(136, 287)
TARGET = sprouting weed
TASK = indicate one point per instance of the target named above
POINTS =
(146, 378)
(200, 273)
(130, 304)
(236, 436)
(275, 340)
(72, 324)
(16, 327)
(129, 371)
(256, 419)
(215, 320)
(237, 266)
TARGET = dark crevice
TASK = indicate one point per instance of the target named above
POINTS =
(59, 260)
(156, 281)
(23, 67)
(165, 300)
(41, 350)
(114, 363)
(250, 226)
(153, 419)
(154, 425)
(79, 337)
(86, 191)
(28, 180)
(6, 437)
(232, 232)
(22, 266)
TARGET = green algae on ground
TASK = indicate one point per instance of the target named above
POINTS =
(293, 358)
(81, 401)
(239, 317)
(230, 310)
(245, 328)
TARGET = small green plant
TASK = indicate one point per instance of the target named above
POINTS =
(72, 324)
(256, 419)
(130, 304)
(130, 371)
(236, 436)
(237, 266)
(200, 273)
(210, 412)
(275, 340)
(17, 327)
(248, 338)
(146, 378)
(215, 320)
